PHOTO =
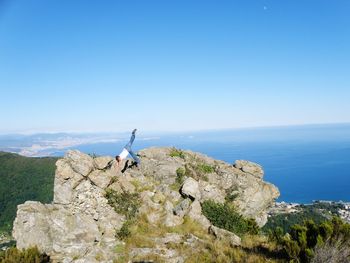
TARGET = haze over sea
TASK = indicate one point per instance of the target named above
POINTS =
(306, 162)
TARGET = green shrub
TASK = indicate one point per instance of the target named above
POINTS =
(127, 204)
(205, 168)
(124, 203)
(231, 197)
(180, 175)
(225, 216)
(320, 241)
(177, 153)
(30, 255)
(124, 232)
(276, 235)
(286, 221)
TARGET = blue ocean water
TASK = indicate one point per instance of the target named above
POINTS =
(305, 162)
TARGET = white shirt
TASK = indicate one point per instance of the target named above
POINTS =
(123, 154)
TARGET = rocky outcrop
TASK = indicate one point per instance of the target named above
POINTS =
(80, 225)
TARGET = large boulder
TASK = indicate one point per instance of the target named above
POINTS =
(81, 226)
(190, 188)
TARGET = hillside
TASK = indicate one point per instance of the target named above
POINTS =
(177, 207)
(22, 179)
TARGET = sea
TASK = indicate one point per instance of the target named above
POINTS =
(306, 163)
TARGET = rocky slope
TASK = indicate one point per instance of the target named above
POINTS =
(80, 225)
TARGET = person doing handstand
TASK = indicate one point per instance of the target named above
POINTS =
(127, 150)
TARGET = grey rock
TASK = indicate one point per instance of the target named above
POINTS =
(79, 224)
(101, 178)
(250, 167)
(54, 229)
(65, 181)
(223, 234)
(182, 208)
(80, 163)
(190, 188)
(211, 192)
(121, 184)
(253, 201)
(103, 162)
(195, 213)
(147, 203)
(171, 220)
(153, 217)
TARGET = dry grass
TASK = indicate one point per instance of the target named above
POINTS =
(254, 249)
(150, 258)
(190, 226)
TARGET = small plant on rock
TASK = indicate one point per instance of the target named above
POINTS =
(124, 203)
(177, 153)
(180, 175)
(127, 204)
(205, 168)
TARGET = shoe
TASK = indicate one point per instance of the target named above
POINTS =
(134, 131)
(135, 165)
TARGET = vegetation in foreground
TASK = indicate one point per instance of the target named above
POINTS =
(23, 178)
(310, 242)
(306, 242)
(30, 255)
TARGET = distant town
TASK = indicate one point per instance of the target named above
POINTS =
(327, 208)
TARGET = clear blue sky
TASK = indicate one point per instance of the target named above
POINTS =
(172, 65)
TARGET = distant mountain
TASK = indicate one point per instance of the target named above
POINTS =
(41, 144)
(21, 179)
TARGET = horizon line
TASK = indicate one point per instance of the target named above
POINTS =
(74, 132)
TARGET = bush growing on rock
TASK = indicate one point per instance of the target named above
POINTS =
(226, 217)
(124, 203)
(180, 175)
(127, 204)
(177, 153)
(205, 168)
